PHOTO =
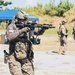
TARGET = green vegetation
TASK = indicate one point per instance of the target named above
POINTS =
(51, 32)
(69, 30)
(49, 9)
(3, 3)
(63, 7)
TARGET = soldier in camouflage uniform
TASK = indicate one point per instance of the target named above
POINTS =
(62, 37)
(20, 47)
(73, 32)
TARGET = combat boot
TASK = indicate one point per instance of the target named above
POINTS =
(63, 52)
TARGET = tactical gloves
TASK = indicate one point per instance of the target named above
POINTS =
(26, 29)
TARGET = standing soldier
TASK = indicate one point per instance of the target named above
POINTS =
(20, 47)
(73, 33)
(62, 37)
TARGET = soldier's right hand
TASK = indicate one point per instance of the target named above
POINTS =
(26, 29)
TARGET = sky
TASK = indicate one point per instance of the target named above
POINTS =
(27, 3)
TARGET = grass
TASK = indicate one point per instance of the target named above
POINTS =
(70, 30)
(2, 30)
(51, 32)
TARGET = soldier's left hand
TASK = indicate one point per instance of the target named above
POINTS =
(26, 29)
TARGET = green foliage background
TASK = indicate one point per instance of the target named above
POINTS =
(48, 9)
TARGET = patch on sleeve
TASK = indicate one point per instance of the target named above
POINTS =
(11, 29)
(62, 28)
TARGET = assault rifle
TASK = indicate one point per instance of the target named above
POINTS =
(32, 26)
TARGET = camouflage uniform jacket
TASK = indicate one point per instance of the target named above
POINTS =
(18, 40)
(63, 31)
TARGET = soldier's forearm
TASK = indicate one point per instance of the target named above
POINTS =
(14, 35)
(39, 31)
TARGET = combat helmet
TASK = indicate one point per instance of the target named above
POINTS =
(21, 15)
(64, 21)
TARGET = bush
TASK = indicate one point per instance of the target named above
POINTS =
(63, 7)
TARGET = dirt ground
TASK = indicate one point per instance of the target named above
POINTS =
(47, 61)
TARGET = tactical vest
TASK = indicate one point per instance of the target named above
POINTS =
(73, 30)
(21, 47)
(60, 31)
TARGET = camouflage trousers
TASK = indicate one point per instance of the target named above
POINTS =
(23, 68)
(63, 45)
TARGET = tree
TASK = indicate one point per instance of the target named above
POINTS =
(63, 7)
(2, 3)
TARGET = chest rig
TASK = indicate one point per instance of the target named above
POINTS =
(21, 47)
